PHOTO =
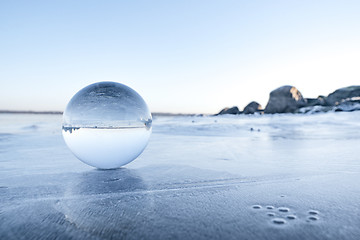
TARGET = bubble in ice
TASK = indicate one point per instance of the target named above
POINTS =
(284, 209)
(107, 125)
(313, 218)
(313, 212)
(279, 221)
(291, 217)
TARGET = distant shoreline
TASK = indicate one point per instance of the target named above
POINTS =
(156, 114)
(30, 112)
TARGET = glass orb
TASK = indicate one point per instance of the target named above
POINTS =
(106, 125)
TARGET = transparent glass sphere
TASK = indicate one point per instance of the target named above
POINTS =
(106, 125)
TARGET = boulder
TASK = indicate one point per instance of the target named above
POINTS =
(285, 99)
(252, 108)
(343, 95)
(233, 110)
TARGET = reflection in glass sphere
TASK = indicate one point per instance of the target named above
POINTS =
(107, 125)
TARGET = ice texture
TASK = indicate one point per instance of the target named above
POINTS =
(198, 178)
(107, 125)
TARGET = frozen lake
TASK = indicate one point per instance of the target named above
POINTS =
(224, 177)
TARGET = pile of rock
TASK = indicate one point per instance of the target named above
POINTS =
(288, 99)
(344, 99)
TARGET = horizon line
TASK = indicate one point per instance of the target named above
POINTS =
(61, 112)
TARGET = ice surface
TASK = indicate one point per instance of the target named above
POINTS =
(199, 178)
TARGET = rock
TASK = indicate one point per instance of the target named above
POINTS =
(348, 106)
(351, 93)
(252, 108)
(311, 102)
(342, 100)
(285, 99)
(315, 109)
(319, 101)
(233, 110)
(345, 106)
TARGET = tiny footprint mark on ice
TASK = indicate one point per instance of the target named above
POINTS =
(279, 221)
(112, 180)
(284, 209)
(313, 212)
(270, 214)
(269, 207)
(291, 217)
(256, 206)
(313, 218)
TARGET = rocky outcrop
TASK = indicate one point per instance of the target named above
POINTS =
(252, 108)
(342, 95)
(288, 99)
(285, 99)
(233, 110)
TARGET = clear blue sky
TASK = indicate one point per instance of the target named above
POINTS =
(181, 56)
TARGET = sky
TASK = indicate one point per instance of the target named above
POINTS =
(187, 56)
